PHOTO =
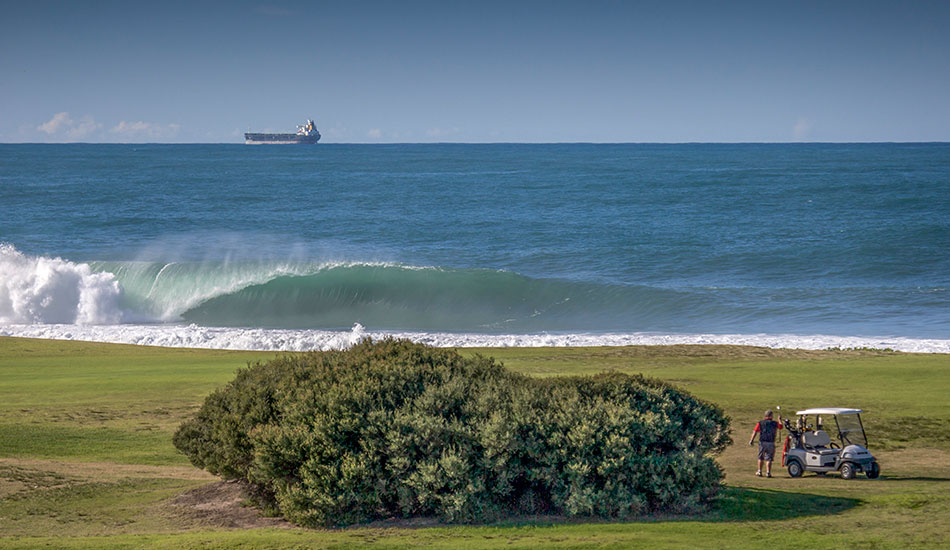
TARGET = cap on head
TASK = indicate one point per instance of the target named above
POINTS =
(768, 414)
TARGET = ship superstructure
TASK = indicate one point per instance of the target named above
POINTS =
(306, 133)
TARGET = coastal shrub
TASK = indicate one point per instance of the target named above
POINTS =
(396, 429)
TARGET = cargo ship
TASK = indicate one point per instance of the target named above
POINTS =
(305, 134)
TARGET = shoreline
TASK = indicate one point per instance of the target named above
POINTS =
(261, 339)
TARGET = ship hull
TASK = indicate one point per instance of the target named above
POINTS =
(279, 139)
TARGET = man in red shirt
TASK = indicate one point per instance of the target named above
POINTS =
(767, 430)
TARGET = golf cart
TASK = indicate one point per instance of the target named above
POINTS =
(809, 448)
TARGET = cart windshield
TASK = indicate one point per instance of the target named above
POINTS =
(850, 429)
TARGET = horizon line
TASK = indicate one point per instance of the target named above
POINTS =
(934, 142)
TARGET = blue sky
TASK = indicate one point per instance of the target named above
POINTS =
(422, 71)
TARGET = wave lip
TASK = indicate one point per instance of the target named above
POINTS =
(192, 336)
(36, 289)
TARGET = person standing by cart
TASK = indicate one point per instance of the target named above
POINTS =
(767, 430)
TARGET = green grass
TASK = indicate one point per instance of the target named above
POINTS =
(77, 400)
(86, 459)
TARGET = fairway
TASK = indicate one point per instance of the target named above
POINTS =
(86, 459)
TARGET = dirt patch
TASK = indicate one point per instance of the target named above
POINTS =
(16, 480)
(105, 471)
(223, 504)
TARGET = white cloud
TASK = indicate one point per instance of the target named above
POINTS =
(375, 133)
(141, 129)
(802, 129)
(62, 123)
(54, 124)
(84, 127)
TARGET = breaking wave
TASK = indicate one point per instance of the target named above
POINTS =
(300, 295)
(271, 305)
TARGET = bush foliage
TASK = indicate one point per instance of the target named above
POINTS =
(396, 429)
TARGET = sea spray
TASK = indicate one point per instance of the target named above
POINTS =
(52, 290)
(163, 291)
(284, 294)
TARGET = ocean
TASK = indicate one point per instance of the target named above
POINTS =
(314, 247)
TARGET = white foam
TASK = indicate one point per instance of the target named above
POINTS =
(53, 290)
(193, 336)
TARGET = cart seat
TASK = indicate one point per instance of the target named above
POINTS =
(818, 441)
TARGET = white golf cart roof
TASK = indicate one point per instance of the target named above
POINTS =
(832, 410)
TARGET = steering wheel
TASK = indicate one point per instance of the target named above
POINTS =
(834, 445)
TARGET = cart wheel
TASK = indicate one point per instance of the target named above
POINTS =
(847, 471)
(794, 469)
(873, 471)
